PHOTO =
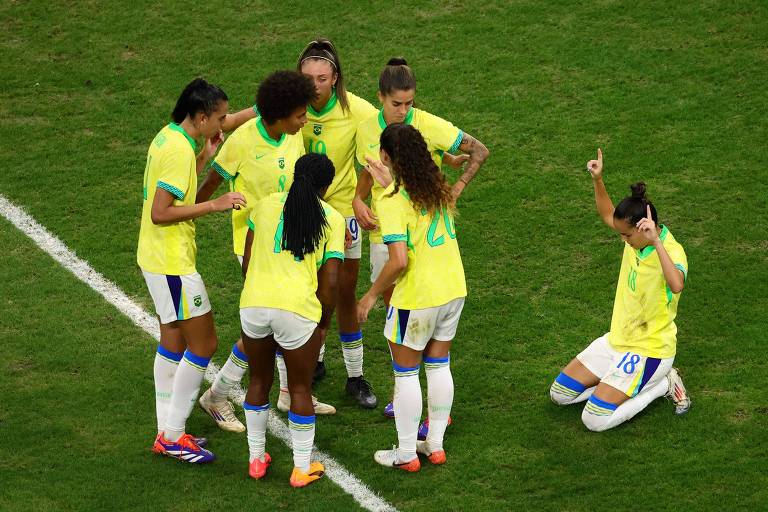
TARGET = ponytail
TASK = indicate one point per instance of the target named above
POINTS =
(197, 96)
(634, 207)
(396, 76)
(303, 214)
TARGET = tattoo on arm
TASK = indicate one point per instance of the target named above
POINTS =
(478, 153)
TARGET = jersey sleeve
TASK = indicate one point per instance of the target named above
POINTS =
(394, 227)
(334, 244)
(678, 257)
(173, 174)
(360, 108)
(227, 162)
(442, 134)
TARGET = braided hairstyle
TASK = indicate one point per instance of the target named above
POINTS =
(303, 215)
(322, 48)
(414, 169)
(633, 208)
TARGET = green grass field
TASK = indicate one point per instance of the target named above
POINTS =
(675, 95)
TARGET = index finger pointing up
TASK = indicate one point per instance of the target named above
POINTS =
(648, 211)
(600, 155)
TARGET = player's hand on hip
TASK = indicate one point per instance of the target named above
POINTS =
(595, 167)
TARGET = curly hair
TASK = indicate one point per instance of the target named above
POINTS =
(414, 169)
(283, 92)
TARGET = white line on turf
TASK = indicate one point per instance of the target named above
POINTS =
(115, 296)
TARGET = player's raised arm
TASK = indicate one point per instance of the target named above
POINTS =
(233, 121)
(672, 274)
(602, 199)
(478, 154)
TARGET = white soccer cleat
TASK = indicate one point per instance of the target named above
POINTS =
(677, 392)
(390, 459)
(322, 409)
(222, 413)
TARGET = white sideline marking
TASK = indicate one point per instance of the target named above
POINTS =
(367, 499)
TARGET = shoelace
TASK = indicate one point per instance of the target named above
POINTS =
(228, 412)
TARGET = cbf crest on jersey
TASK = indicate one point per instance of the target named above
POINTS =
(317, 129)
(281, 162)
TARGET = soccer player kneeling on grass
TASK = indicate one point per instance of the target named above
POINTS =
(623, 371)
(166, 256)
(294, 249)
(416, 217)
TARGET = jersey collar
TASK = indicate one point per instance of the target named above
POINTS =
(265, 135)
(646, 251)
(177, 128)
(408, 118)
(327, 108)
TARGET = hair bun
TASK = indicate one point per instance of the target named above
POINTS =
(638, 190)
(397, 61)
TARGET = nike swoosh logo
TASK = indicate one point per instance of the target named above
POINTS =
(259, 156)
(371, 146)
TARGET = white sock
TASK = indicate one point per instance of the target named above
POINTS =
(407, 404)
(321, 355)
(594, 415)
(186, 387)
(166, 364)
(302, 436)
(282, 371)
(352, 349)
(256, 417)
(439, 398)
(566, 390)
(230, 374)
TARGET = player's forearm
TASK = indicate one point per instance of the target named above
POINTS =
(233, 121)
(388, 276)
(603, 201)
(172, 213)
(364, 186)
(478, 154)
(672, 275)
(209, 186)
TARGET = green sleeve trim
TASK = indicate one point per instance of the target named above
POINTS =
(256, 110)
(457, 142)
(178, 194)
(390, 239)
(251, 226)
(682, 269)
(224, 174)
(333, 254)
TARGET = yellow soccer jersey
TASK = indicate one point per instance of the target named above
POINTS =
(332, 132)
(435, 274)
(644, 310)
(169, 248)
(275, 278)
(439, 134)
(256, 165)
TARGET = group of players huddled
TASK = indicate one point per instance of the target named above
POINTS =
(298, 206)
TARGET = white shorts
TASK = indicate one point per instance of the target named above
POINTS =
(379, 257)
(177, 297)
(628, 372)
(414, 328)
(356, 249)
(291, 331)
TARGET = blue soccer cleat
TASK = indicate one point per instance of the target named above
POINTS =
(185, 449)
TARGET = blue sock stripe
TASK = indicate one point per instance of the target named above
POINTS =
(198, 361)
(399, 368)
(171, 356)
(299, 419)
(238, 354)
(437, 360)
(570, 383)
(602, 404)
(250, 407)
(347, 337)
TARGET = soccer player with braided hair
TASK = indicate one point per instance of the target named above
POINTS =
(293, 251)
(624, 370)
(416, 213)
